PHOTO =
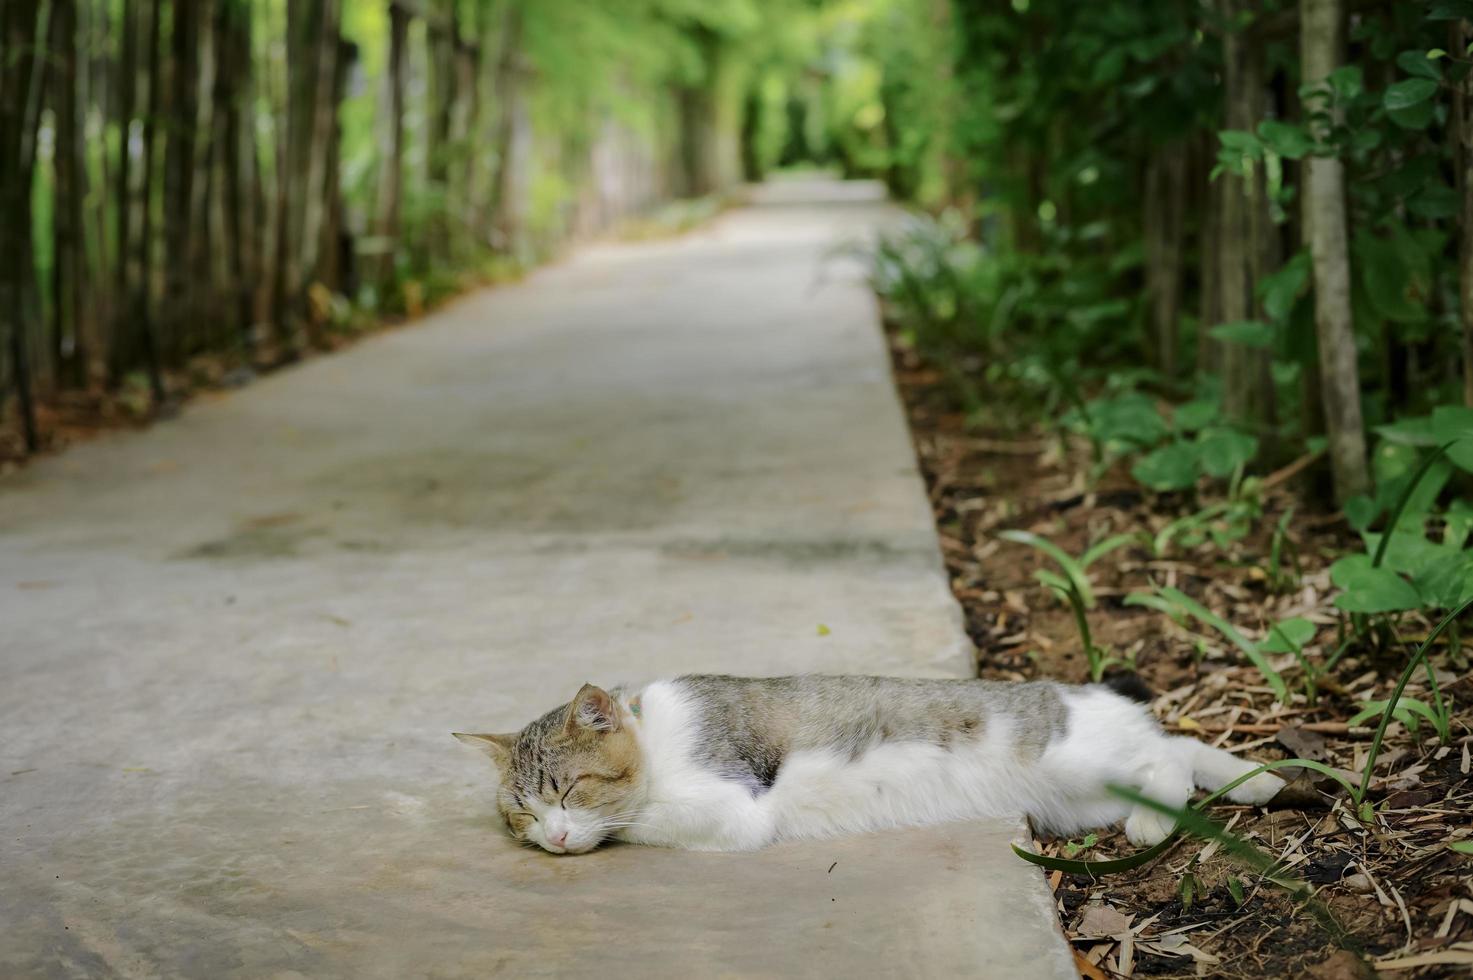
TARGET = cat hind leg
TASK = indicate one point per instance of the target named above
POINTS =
(1212, 769)
(1169, 782)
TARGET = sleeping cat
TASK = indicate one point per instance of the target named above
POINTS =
(734, 763)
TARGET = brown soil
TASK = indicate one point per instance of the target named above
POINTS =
(1402, 897)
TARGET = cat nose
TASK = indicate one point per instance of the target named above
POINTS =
(559, 839)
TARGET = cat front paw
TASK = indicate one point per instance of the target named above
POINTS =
(1258, 790)
(1146, 827)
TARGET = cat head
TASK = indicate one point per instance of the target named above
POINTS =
(570, 778)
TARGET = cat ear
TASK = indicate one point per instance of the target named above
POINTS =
(592, 710)
(498, 747)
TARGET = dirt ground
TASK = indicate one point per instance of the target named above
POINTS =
(1403, 898)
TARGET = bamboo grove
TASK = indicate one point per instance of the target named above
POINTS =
(1266, 201)
(212, 187)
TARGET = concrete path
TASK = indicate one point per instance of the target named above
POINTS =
(232, 648)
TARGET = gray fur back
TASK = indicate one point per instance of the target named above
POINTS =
(749, 725)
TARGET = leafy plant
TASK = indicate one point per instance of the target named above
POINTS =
(1073, 587)
(1177, 604)
(1282, 556)
(1290, 636)
(1169, 454)
(1076, 570)
(1073, 849)
(1403, 569)
(1388, 711)
(1222, 523)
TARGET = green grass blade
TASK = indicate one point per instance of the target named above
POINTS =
(1071, 568)
(1250, 649)
(1102, 549)
(1401, 503)
(1165, 536)
(1095, 869)
(1401, 684)
(1197, 824)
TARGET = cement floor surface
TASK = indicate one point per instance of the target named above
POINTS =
(232, 647)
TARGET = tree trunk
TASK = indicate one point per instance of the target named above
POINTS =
(179, 146)
(142, 252)
(1163, 221)
(204, 323)
(442, 40)
(1209, 236)
(237, 145)
(508, 99)
(22, 75)
(1461, 125)
(391, 150)
(696, 104)
(1320, 25)
(312, 48)
(335, 247)
(127, 98)
(69, 304)
(1247, 382)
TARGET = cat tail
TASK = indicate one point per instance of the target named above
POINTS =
(1129, 686)
(1214, 768)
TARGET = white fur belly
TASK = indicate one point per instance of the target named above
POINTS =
(898, 784)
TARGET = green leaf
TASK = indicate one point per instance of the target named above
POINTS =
(1249, 333)
(1241, 142)
(1371, 590)
(1451, 10)
(1457, 524)
(1071, 568)
(1249, 648)
(1360, 511)
(1461, 846)
(1454, 424)
(1348, 81)
(1410, 432)
(1100, 549)
(1418, 64)
(1195, 415)
(1408, 94)
(1280, 289)
(1053, 580)
(1097, 868)
(1446, 580)
(1171, 467)
(1434, 202)
(1415, 490)
(1408, 711)
(1131, 418)
(1286, 139)
(1416, 117)
(1394, 274)
(1289, 636)
(1222, 450)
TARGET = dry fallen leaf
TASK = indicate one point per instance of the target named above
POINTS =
(1302, 744)
(1087, 969)
(1102, 920)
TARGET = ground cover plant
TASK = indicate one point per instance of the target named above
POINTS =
(1196, 277)
(1380, 841)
